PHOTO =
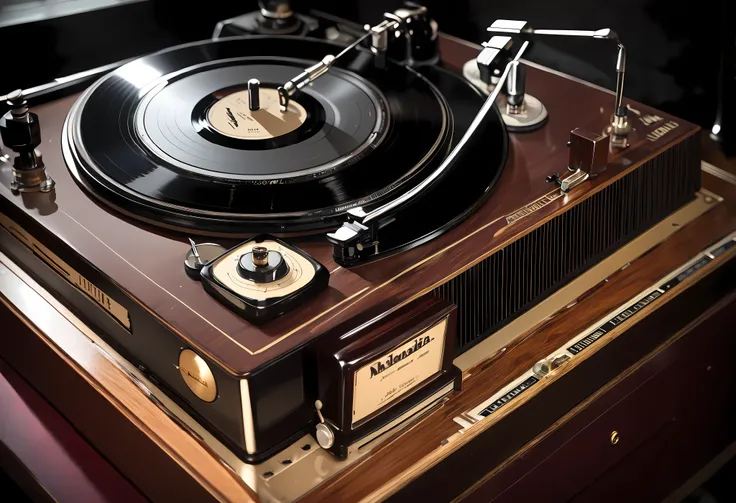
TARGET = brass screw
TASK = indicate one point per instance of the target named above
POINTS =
(614, 437)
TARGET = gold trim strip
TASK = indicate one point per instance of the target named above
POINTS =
(76, 347)
(307, 468)
(459, 439)
(249, 431)
(94, 293)
(718, 172)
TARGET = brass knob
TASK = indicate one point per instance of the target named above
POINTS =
(260, 255)
(614, 437)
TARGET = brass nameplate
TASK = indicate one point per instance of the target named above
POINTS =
(67, 272)
(398, 371)
(197, 375)
(531, 208)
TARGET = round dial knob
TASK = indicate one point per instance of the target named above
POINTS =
(262, 265)
(276, 9)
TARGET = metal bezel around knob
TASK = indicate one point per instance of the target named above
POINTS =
(325, 436)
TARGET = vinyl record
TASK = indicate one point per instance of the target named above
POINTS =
(163, 137)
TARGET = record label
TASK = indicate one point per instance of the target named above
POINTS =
(231, 116)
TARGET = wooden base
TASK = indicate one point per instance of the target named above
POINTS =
(660, 381)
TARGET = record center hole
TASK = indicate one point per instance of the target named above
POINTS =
(306, 447)
(267, 475)
(286, 462)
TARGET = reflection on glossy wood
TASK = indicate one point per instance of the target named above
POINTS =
(124, 250)
(673, 414)
(384, 473)
(58, 360)
(60, 463)
(99, 398)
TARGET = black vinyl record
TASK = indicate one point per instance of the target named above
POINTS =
(163, 137)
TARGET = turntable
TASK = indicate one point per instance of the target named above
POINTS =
(292, 236)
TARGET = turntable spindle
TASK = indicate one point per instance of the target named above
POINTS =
(254, 91)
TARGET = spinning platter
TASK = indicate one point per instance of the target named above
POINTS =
(170, 138)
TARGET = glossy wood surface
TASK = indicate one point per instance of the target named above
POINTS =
(147, 263)
(420, 446)
(53, 353)
(672, 415)
(61, 363)
(36, 439)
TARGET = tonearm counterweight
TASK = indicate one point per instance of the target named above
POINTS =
(400, 22)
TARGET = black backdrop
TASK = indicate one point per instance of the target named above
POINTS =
(674, 48)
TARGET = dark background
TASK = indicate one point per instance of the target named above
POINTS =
(674, 48)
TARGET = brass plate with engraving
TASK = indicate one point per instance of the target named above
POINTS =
(113, 308)
(398, 371)
(198, 376)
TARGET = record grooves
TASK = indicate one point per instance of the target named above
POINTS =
(169, 139)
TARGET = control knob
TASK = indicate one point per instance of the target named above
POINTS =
(418, 43)
(261, 265)
(21, 132)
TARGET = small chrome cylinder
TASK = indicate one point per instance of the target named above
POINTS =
(515, 87)
(254, 94)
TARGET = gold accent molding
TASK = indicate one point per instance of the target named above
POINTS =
(96, 294)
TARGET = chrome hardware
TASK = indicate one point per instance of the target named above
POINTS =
(275, 9)
(620, 125)
(492, 58)
(254, 94)
(521, 112)
(306, 77)
(325, 436)
(194, 251)
(312, 73)
(379, 40)
(588, 157)
(541, 368)
(21, 132)
(515, 85)
(357, 238)
(544, 367)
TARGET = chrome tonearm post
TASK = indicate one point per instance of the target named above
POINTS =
(309, 75)
(620, 125)
(357, 239)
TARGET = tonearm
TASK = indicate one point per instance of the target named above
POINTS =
(620, 126)
(405, 25)
(358, 239)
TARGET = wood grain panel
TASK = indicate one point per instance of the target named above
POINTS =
(380, 469)
(680, 394)
(100, 399)
(113, 244)
(58, 461)
(420, 444)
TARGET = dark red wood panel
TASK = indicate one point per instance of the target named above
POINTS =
(672, 415)
(53, 453)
